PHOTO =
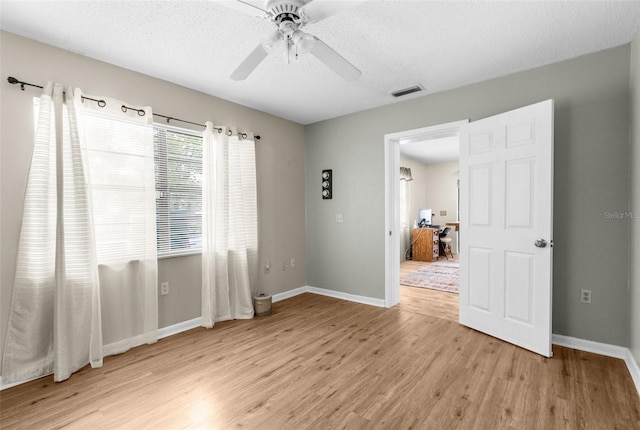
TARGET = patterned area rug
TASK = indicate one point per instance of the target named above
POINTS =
(441, 276)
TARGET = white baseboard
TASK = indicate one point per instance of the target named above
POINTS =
(603, 349)
(590, 346)
(179, 328)
(288, 294)
(346, 296)
(329, 293)
(634, 369)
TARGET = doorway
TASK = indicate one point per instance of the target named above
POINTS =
(506, 176)
(392, 195)
(428, 199)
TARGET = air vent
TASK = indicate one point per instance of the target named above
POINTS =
(404, 92)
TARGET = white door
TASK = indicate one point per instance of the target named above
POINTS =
(506, 195)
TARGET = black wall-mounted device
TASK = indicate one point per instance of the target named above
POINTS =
(327, 189)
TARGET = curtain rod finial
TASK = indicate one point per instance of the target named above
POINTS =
(14, 81)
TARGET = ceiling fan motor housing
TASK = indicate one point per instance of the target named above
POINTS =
(285, 10)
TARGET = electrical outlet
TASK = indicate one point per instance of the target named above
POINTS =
(164, 288)
(293, 262)
(284, 265)
(339, 218)
(585, 296)
(267, 268)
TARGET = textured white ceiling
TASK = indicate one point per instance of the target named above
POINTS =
(396, 44)
(433, 151)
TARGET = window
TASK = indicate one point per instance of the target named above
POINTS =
(178, 183)
(178, 154)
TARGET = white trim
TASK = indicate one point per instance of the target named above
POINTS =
(179, 327)
(431, 132)
(329, 293)
(288, 294)
(590, 346)
(634, 369)
(346, 296)
(127, 344)
(391, 220)
(603, 349)
(392, 142)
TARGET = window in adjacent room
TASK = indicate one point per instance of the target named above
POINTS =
(178, 155)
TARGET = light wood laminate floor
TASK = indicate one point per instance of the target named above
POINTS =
(424, 301)
(324, 363)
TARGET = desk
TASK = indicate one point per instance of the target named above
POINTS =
(425, 244)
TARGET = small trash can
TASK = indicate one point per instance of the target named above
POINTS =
(262, 304)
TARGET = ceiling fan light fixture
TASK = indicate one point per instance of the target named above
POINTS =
(303, 41)
(306, 43)
(271, 41)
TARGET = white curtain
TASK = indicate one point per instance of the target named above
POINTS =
(120, 156)
(229, 226)
(405, 206)
(54, 320)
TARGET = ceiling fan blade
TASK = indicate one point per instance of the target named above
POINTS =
(317, 10)
(250, 63)
(249, 7)
(334, 61)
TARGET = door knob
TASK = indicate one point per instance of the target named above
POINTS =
(541, 243)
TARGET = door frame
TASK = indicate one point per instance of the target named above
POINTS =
(392, 142)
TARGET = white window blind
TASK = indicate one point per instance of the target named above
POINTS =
(178, 155)
(120, 165)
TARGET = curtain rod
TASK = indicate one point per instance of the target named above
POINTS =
(124, 108)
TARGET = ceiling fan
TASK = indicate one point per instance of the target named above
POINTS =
(290, 17)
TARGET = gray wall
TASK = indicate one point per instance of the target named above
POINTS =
(634, 207)
(591, 96)
(279, 158)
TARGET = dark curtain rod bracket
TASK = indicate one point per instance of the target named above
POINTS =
(14, 81)
(124, 108)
